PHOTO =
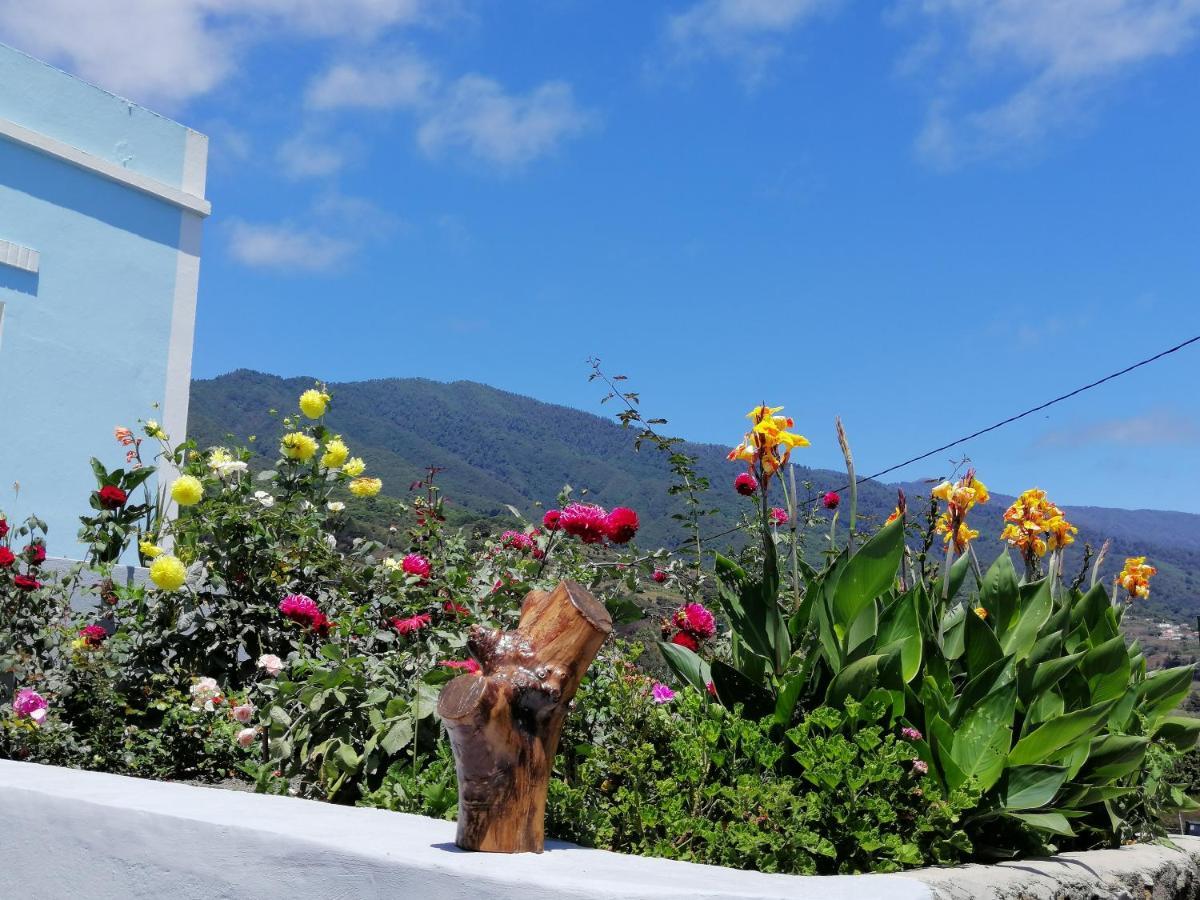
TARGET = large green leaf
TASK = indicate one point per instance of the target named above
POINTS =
(687, 665)
(861, 676)
(900, 629)
(1054, 822)
(958, 574)
(999, 594)
(1163, 691)
(1106, 668)
(868, 573)
(1029, 787)
(733, 687)
(1179, 731)
(980, 686)
(1114, 756)
(1027, 627)
(984, 735)
(1044, 742)
(1046, 675)
(982, 648)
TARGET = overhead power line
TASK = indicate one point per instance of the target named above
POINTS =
(1000, 424)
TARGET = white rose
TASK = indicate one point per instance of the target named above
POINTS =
(264, 498)
(271, 664)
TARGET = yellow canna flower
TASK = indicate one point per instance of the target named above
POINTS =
(1062, 532)
(959, 498)
(981, 612)
(1135, 577)
(354, 466)
(149, 550)
(365, 487)
(187, 490)
(168, 573)
(313, 403)
(768, 444)
(1029, 517)
(335, 453)
(298, 446)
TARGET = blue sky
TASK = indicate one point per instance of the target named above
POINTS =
(924, 216)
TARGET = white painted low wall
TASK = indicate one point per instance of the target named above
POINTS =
(67, 834)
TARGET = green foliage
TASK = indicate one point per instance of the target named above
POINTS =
(691, 780)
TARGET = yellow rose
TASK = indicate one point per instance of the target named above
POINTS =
(187, 490)
(168, 573)
(335, 453)
(365, 487)
(298, 446)
(354, 466)
(313, 403)
(150, 550)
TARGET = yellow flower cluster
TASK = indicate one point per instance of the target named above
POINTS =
(354, 466)
(149, 549)
(365, 487)
(187, 490)
(335, 453)
(313, 403)
(959, 497)
(298, 446)
(168, 573)
(1135, 577)
(1034, 525)
(768, 443)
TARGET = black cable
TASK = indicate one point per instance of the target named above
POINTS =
(1000, 424)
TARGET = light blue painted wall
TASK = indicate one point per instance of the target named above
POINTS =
(58, 105)
(84, 342)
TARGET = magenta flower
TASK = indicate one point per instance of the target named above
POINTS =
(661, 693)
(415, 564)
(412, 624)
(28, 703)
(779, 516)
(516, 541)
(831, 500)
(621, 525)
(659, 576)
(585, 521)
(745, 484)
(920, 766)
(300, 608)
(550, 519)
(696, 620)
(470, 666)
(910, 734)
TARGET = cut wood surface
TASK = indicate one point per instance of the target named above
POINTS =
(504, 723)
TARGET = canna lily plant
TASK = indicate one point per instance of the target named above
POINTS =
(1019, 690)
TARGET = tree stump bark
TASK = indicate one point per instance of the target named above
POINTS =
(504, 723)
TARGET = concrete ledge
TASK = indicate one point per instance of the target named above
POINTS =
(68, 834)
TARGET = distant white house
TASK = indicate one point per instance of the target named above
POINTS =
(101, 209)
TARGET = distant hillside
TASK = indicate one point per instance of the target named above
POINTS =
(498, 448)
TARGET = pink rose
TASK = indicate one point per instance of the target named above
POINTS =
(246, 737)
(244, 713)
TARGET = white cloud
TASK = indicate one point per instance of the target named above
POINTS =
(473, 113)
(283, 246)
(306, 155)
(165, 52)
(476, 114)
(402, 82)
(1054, 59)
(745, 32)
(1157, 428)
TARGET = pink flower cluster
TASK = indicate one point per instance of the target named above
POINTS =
(304, 611)
(516, 540)
(661, 693)
(415, 564)
(695, 623)
(28, 703)
(592, 524)
(470, 666)
(910, 734)
(412, 624)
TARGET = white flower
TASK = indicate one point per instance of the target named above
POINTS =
(331, 541)
(271, 664)
(229, 469)
(264, 498)
(391, 564)
(205, 692)
(335, 506)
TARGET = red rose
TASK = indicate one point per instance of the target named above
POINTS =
(35, 553)
(831, 500)
(683, 639)
(26, 582)
(659, 575)
(550, 519)
(112, 497)
(621, 525)
(6, 558)
(745, 484)
(3, 527)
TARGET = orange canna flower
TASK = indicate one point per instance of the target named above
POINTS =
(1135, 577)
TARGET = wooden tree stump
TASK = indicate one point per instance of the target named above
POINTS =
(504, 723)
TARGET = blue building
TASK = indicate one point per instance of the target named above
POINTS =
(101, 210)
